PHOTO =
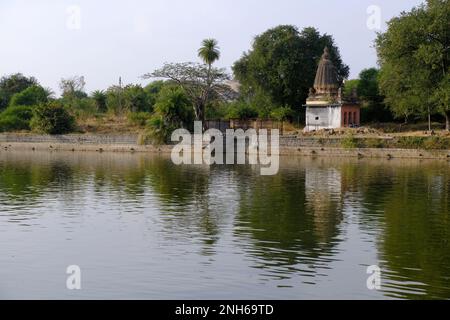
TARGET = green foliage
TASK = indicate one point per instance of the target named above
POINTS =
(374, 143)
(12, 84)
(209, 51)
(281, 114)
(52, 118)
(241, 110)
(283, 62)
(16, 118)
(31, 96)
(350, 142)
(99, 98)
(152, 90)
(350, 86)
(373, 107)
(173, 110)
(201, 83)
(415, 61)
(138, 118)
(131, 98)
(82, 108)
(427, 143)
(136, 99)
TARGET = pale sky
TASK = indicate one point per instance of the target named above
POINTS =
(127, 38)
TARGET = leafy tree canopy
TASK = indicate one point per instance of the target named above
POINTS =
(414, 58)
(200, 82)
(283, 63)
(32, 96)
(12, 84)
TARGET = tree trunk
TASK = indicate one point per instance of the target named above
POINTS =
(429, 119)
(200, 115)
(447, 120)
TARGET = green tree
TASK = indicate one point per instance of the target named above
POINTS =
(12, 84)
(373, 107)
(31, 96)
(114, 100)
(414, 59)
(135, 99)
(283, 63)
(200, 83)
(152, 90)
(209, 51)
(173, 110)
(16, 118)
(350, 86)
(241, 110)
(99, 98)
(52, 118)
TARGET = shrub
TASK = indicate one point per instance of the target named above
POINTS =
(82, 108)
(52, 118)
(350, 142)
(12, 84)
(16, 118)
(410, 142)
(436, 143)
(99, 98)
(31, 96)
(281, 114)
(428, 143)
(241, 110)
(138, 118)
(173, 110)
(374, 143)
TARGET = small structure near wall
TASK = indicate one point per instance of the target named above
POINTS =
(326, 107)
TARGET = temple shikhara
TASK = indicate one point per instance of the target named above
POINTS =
(326, 107)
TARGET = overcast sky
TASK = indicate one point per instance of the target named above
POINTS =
(48, 39)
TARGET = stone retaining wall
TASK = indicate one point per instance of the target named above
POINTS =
(70, 138)
(329, 147)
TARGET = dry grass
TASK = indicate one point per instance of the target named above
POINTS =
(108, 124)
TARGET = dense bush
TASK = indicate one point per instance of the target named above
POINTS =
(136, 99)
(138, 118)
(152, 90)
(82, 108)
(281, 114)
(241, 110)
(99, 98)
(172, 111)
(12, 84)
(350, 142)
(52, 118)
(16, 118)
(31, 96)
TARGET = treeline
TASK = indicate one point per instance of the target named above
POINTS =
(271, 81)
(266, 85)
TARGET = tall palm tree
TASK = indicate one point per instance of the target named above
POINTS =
(209, 51)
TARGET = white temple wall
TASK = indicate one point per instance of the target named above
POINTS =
(319, 118)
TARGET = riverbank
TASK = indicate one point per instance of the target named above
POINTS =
(289, 146)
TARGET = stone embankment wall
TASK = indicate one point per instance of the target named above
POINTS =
(301, 146)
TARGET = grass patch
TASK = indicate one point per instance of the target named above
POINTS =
(350, 142)
(374, 143)
(427, 143)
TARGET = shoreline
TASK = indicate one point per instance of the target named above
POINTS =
(301, 151)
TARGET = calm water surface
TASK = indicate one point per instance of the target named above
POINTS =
(141, 228)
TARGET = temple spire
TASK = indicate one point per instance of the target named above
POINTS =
(326, 81)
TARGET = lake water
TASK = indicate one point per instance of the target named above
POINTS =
(140, 227)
